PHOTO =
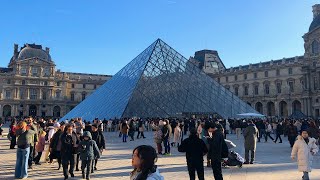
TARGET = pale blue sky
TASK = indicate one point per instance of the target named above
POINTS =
(103, 36)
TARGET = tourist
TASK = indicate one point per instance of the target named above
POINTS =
(158, 137)
(69, 144)
(215, 140)
(314, 131)
(33, 140)
(238, 128)
(268, 132)
(176, 135)
(292, 133)
(166, 133)
(12, 134)
(25, 134)
(261, 128)
(131, 129)
(40, 147)
(124, 131)
(55, 145)
(98, 137)
(88, 152)
(195, 149)
(279, 132)
(141, 129)
(304, 149)
(250, 134)
(144, 158)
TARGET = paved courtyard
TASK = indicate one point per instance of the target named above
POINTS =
(272, 162)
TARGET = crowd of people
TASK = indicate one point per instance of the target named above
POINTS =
(75, 140)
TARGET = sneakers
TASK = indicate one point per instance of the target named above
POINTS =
(167, 154)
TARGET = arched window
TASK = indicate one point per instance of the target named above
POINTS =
(315, 47)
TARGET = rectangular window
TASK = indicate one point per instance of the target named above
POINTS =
(23, 71)
(279, 88)
(245, 76)
(256, 89)
(236, 78)
(290, 71)
(218, 80)
(84, 86)
(46, 71)
(246, 91)
(21, 93)
(83, 96)
(278, 72)
(255, 75)
(236, 91)
(95, 86)
(58, 94)
(72, 96)
(72, 85)
(34, 71)
(33, 94)
(291, 88)
(267, 88)
(8, 94)
(266, 74)
(44, 95)
(315, 84)
(8, 81)
(58, 83)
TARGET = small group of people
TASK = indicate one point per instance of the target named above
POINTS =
(68, 143)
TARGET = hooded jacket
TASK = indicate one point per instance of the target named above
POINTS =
(88, 148)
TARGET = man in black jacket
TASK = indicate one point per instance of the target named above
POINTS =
(98, 137)
(215, 141)
(195, 149)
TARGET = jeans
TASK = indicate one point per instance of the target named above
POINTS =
(159, 148)
(216, 168)
(142, 134)
(166, 144)
(21, 169)
(268, 135)
(193, 167)
(278, 136)
(124, 137)
(86, 164)
(292, 139)
(13, 141)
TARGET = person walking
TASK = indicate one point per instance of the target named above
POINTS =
(55, 145)
(144, 158)
(131, 130)
(268, 132)
(177, 135)
(238, 128)
(33, 140)
(12, 134)
(166, 131)
(69, 145)
(279, 132)
(24, 134)
(124, 131)
(40, 147)
(314, 131)
(215, 140)
(157, 136)
(261, 128)
(250, 134)
(303, 150)
(141, 129)
(292, 133)
(98, 137)
(195, 149)
(89, 151)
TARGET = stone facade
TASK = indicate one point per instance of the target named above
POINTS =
(277, 87)
(31, 85)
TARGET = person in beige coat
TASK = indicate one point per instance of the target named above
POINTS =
(304, 149)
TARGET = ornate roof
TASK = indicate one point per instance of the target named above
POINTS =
(32, 51)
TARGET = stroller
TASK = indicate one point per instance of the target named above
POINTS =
(234, 159)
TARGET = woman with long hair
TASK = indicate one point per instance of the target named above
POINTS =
(144, 158)
(12, 133)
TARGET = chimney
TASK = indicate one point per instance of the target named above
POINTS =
(47, 50)
(15, 51)
(316, 10)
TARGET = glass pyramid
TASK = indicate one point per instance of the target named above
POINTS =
(159, 82)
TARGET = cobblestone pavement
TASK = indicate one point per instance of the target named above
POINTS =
(273, 163)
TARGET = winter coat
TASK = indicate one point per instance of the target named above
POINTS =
(314, 132)
(303, 152)
(41, 144)
(250, 137)
(55, 140)
(177, 135)
(88, 148)
(69, 144)
(195, 149)
(215, 145)
(124, 128)
(167, 131)
(292, 131)
(98, 137)
(153, 176)
(157, 135)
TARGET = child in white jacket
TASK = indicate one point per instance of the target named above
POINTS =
(304, 149)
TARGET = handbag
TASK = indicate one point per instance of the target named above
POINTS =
(9, 137)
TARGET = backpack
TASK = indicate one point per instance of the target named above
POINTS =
(224, 150)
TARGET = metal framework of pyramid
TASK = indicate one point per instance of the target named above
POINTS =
(159, 82)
